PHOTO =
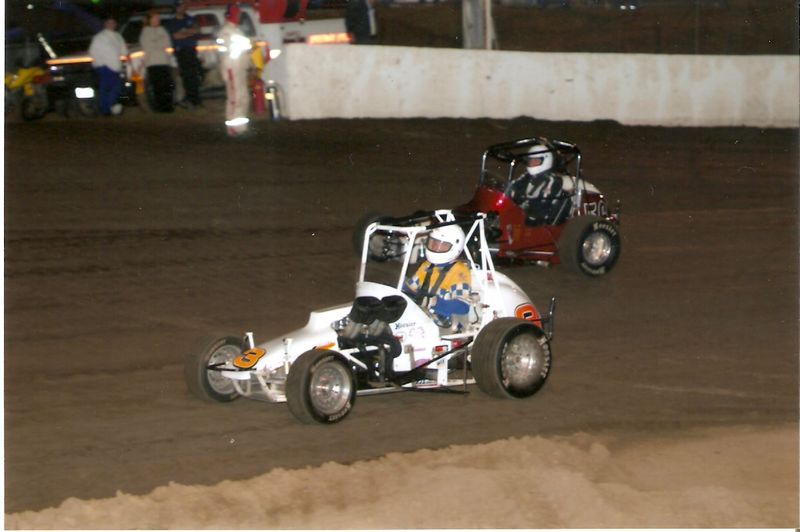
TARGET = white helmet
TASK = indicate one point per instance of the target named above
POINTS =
(444, 244)
(540, 159)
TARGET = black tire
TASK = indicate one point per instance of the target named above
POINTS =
(207, 384)
(11, 100)
(320, 387)
(86, 108)
(82, 108)
(510, 359)
(33, 108)
(361, 226)
(381, 247)
(590, 245)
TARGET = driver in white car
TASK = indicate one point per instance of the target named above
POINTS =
(441, 284)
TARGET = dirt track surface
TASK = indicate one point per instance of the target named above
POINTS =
(127, 239)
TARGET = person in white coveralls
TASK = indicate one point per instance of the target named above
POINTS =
(234, 61)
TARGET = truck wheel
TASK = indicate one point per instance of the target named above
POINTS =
(510, 358)
(589, 245)
(208, 384)
(82, 108)
(320, 387)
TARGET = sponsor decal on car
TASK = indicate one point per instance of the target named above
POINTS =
(249, 358)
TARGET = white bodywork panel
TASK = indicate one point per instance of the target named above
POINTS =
(493, 295)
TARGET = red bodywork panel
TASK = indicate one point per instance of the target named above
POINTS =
(517, 239)
(269, 11)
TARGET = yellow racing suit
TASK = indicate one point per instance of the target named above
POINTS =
(443, 290)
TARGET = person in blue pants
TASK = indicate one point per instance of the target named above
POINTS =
(108, 50)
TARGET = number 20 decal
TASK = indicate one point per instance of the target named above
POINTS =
(526, 311)
(249, 358)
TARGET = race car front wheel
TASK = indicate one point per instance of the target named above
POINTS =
(209, 384)
(382, 246)
(589, 245)
(320, 387)
(510, 358)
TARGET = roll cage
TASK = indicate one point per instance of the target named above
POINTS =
(507, 157)
(476, 251)
(516, 151)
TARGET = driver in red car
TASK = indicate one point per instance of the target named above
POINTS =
(539, 191)
(441, 284)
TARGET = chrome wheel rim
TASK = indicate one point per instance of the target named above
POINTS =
(597, 248)
(330, 388)
(522, 362)
(220, 384)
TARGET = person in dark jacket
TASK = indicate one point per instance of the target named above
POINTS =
(185, 33)
(359, 21)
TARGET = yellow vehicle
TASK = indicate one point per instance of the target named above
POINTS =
(27, 89)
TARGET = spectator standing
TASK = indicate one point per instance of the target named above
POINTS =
(107, 50)
(234, 62)
(360, 22)
(154, 41)
(185, 33)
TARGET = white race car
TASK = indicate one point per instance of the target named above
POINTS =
(385, 341)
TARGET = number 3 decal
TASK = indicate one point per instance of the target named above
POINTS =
(249, 358)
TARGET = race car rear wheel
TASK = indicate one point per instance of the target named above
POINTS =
(589, 245)
(209, 384)
(320, 387)
(382, 247)
(510, 358)
(358, 235)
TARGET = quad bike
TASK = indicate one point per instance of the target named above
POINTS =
(384, 341)
(27, 89)
(580, 233)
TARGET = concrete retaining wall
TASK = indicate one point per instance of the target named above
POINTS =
(338, 81)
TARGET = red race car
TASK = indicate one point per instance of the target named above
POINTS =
(540, 209)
